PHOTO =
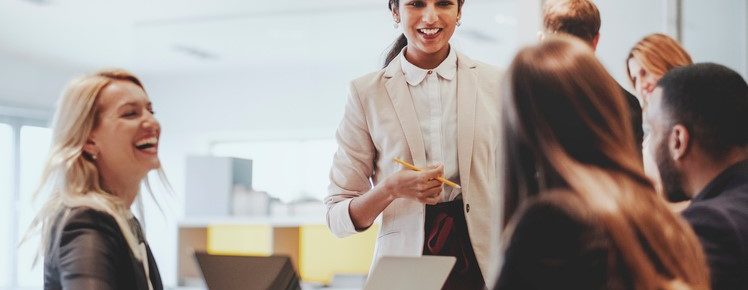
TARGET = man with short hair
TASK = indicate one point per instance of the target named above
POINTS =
(697, 122)
(581, 18)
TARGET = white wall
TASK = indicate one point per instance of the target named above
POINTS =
(276, 102)
(623, 24)
(29, 82)
(717, 31)
(196, 109)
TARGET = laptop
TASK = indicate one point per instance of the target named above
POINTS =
(408, 273)
(225, 272)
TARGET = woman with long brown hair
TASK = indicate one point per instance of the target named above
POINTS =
(429, 105)
(578, 211)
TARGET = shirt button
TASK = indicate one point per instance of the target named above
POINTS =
(467, 207)
(430, 71)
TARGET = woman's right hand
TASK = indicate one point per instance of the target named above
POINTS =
(420, 185)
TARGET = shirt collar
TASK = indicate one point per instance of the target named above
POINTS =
(415, 75)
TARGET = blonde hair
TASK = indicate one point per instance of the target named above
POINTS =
(657, 53)
(565, 128)
(69, 172)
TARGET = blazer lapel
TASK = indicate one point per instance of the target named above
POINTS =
(397, 90)
(467, 84)
(139, 271)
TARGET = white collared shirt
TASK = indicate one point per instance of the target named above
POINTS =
(434, 94)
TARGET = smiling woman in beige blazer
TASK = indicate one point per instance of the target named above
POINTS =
(438, 109)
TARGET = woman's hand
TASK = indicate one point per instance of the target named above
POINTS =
(420, 185)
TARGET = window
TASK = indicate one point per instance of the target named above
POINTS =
(6, 200)
(35, 142)
(287, 169)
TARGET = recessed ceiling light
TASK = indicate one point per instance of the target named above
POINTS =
(195, 52)
(40, 2)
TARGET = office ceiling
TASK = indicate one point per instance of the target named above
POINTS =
(163, 36)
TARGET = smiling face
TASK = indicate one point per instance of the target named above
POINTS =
(125, 137)
(644, 81)
(428, 25)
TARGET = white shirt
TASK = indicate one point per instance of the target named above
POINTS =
(434, 94)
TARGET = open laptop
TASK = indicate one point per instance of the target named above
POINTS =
(408, 273)
(224, 272)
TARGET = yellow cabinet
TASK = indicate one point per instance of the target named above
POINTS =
(316, 253)
(321, 254)
(249, 240)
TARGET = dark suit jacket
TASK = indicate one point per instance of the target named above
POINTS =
(635, 112)
(719, 215)
(91, 253)
(557, 244)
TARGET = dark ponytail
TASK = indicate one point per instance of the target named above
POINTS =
(402, 41)
(397, 46)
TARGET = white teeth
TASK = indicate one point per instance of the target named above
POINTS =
(431, 31)
(147, 141)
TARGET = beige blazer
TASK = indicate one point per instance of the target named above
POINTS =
(380, 124)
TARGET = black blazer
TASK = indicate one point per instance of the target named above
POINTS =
(557, 244)
(635, 113)
(719, 216)
(90, 252)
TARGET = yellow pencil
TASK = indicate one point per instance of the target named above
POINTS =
(414, 168)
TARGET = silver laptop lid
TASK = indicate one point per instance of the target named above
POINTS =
(408, 273)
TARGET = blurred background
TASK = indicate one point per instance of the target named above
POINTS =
(266, 81)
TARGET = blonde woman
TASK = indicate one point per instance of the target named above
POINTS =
(105, 141)
(650, 59)
(647, 62)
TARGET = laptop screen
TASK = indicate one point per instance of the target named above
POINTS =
(226, 272)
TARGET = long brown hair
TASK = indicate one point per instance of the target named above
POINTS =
(401, 40)
(566, 127)
(657, 53)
